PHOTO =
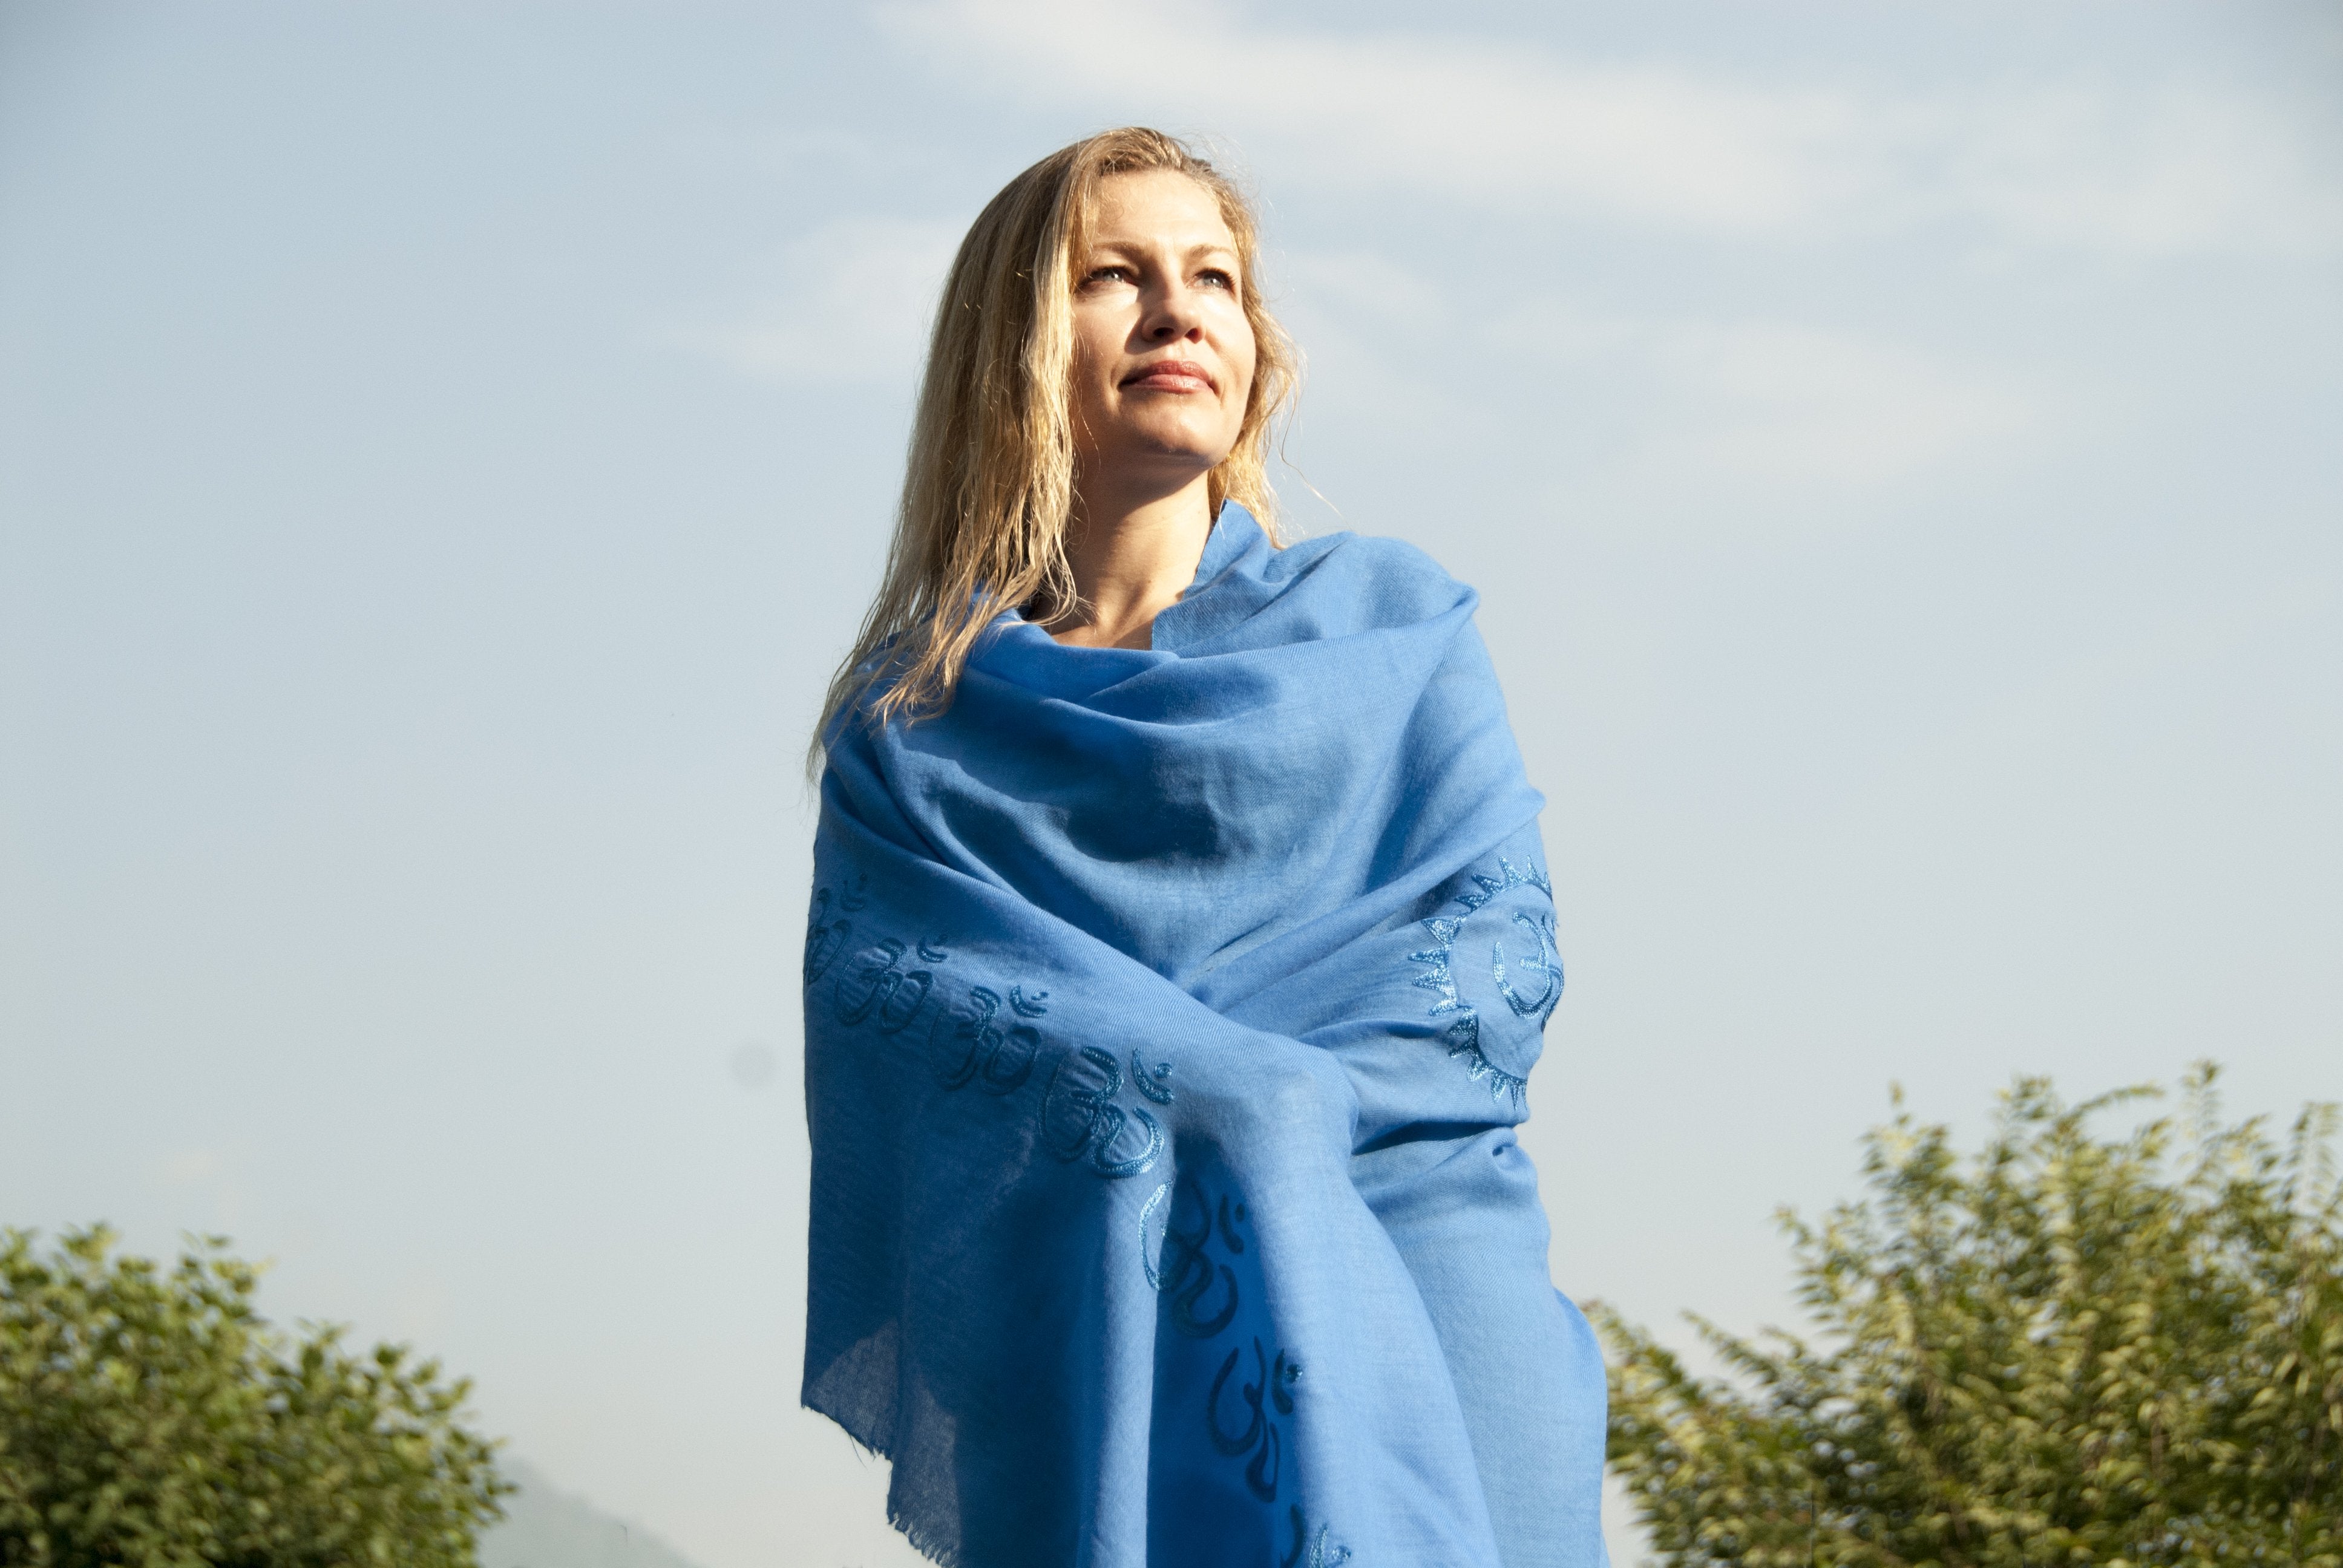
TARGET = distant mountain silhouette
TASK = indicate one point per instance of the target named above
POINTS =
(544, 1527)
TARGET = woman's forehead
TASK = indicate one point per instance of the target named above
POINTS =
(1153, 204)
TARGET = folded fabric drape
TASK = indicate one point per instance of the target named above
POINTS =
(1168, 1019)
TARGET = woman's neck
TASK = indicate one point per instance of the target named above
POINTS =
(1131, 560)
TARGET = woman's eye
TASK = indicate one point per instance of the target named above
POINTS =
(1109, 275)
(1216, 278)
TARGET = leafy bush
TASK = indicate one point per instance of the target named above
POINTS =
(2067, 1348)
(152, 1419)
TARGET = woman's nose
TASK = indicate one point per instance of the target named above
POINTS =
(1175, 317)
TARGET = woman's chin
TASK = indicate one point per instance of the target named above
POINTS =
(1165, 448)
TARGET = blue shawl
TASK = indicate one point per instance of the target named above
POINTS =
(1168, 1013)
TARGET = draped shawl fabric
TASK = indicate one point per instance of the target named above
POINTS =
(1168, 1014)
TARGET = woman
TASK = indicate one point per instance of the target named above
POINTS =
(1180, 945)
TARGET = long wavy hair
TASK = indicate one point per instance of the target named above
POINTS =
(989, 482)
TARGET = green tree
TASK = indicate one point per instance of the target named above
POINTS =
(2065, 1348)
(152, 1419)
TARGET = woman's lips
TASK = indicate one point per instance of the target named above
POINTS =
(1172, 376)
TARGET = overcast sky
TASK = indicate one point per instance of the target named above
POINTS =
(444, 447)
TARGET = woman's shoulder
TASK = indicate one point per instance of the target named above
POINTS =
(1390, 557)
(1327, 586)
(1386, 570)
(1356, 554)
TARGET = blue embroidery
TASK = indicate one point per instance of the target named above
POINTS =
(1187, 1270)
(1268, 1460)
(1089, 1104)
(1229, 1237)
(1147, 1253)
(1250, 1423)
(1261, 1435)
(909, 994)
(979, 1043)
(1095, 1122)
(873, 983)
(1319, 1556)
(999, 1058)
(982, 1043)
(1137, 1164)
(1242, 1442)
(1463, 1034)
(1151, 1084)
(871, 975)
(827, 938)
(1184, 1301)
(1542, 961)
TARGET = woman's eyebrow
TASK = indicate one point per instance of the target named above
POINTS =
(1133, 246)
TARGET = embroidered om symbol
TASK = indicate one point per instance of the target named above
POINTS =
(1542, 961)
(974, 1047)
(1246, 1416)
(1078, 1118)
(1261, 1435)
(874, 983)
(1462, 1032)
(827, 938)
(1188, 1272)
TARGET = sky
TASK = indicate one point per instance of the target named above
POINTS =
(444, 448)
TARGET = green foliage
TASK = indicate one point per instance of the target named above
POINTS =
(2067, 1348)
(152, 1419)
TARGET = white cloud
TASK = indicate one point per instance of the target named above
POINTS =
(1791, 408)
(1779, 404)
(1784, 413)
(851, 304)
(2164, 171)
(2167, 172)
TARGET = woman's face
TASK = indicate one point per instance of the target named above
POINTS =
(1163, 355)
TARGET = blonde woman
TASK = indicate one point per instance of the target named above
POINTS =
(1180, 945)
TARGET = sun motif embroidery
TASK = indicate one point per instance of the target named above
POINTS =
(1541, 973)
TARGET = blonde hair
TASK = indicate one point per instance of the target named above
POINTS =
(989, 482)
